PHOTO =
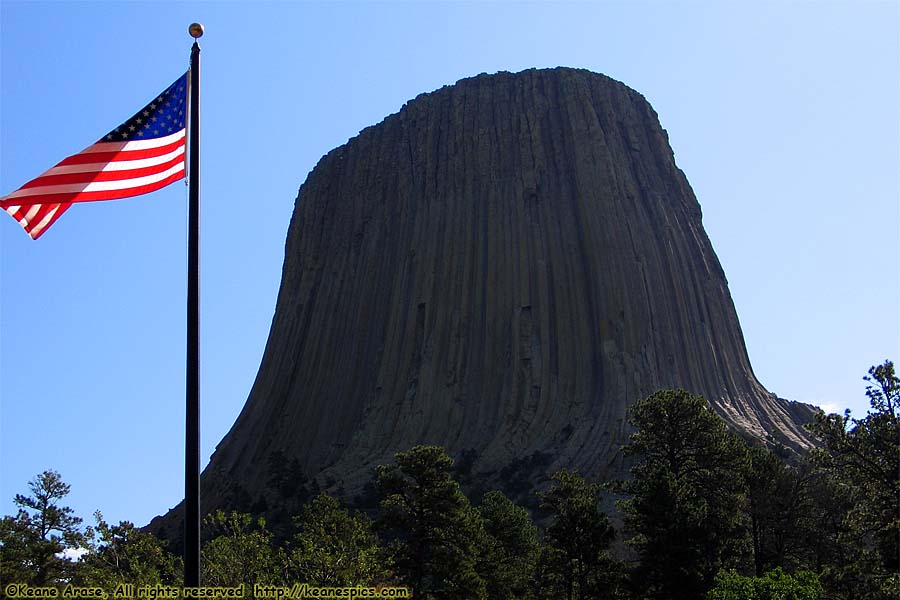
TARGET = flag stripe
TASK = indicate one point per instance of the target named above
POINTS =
(53, 212)
(43, 217)
(121, 165)
(106, 172)
(107, 151)
(133, 159)
(97, 190)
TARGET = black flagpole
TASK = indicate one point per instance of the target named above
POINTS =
(192, 381)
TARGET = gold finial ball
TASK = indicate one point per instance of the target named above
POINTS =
(196, 30)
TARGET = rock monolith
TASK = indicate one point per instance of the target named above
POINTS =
(501, 268)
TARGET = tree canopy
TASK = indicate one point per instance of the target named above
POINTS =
(686, 495)
(704, 515)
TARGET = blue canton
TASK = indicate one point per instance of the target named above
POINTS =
(163, 116)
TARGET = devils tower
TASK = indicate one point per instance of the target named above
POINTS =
(501, 268)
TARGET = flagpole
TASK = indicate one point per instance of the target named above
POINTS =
(192, 379)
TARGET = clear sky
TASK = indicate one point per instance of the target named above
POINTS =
(784, 117)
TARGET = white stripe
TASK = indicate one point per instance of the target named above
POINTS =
(32, 212)
(12, 212)
(37, 229)
(133, 145)
(118, 165)
(107, 147)
(97, 186)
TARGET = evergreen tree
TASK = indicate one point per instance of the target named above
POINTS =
(511, 549)
(288, 492)
(334, 548)
(32, 541)
(240, 551)
(782, 513)
(863, 459)
(774, 585)
(435, 534)
(575, 560)
(687, 495)
(122, 553)
(843, 554)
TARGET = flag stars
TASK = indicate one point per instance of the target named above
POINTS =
(162, 116)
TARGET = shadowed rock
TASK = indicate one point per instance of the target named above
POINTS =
(500, 268)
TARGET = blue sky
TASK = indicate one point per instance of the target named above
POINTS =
(784, 117)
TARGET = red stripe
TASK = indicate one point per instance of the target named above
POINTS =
(30, 225)
(85, 157)
(63, 208)
(93, 196)
(90, 176)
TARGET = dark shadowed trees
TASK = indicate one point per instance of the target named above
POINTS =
(434, 533)
(576, 563)
(782, 510)
(511, 547)
(862, 458)
(686, 496)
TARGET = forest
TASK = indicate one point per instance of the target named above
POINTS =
(705, 514)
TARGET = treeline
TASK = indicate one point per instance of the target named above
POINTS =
(704, 515)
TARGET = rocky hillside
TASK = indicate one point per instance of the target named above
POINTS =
(501, 268)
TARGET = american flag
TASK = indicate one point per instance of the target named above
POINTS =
(141, 155)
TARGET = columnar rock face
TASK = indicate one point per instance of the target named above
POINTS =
(501, 268)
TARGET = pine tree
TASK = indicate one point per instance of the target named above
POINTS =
(435, 534)
(31, 542)
(334, 548)
(687, 494)
(509, 556)
(862, 456)
(782, 512)
(773, 585)
(576, 563)
(120, 554)
(240, 551)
